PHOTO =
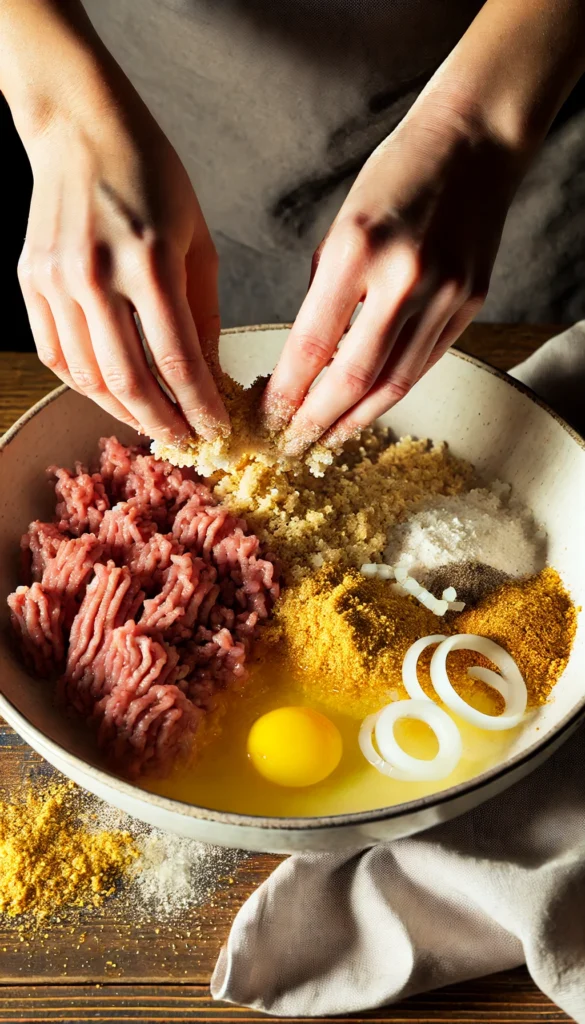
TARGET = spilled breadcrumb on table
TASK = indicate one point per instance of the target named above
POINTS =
(326, 506)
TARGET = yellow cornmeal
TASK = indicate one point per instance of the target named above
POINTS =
(536, 621)
(50, 860)
(348, 635)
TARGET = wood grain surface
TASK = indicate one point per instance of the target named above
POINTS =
(108, 966)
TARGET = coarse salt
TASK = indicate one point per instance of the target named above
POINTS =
(483, 525)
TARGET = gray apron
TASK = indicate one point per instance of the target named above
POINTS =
(274, 106)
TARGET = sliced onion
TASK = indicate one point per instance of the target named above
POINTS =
(412, 586)
(369, 569)
(512, 686)
(416, 769)
(409, 676)
(497, 682)
(365, 740)
(385, 572)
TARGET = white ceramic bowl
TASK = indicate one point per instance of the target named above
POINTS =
(485, 417)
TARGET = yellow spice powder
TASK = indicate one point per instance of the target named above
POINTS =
(536, 621)
(348, 636)
(49, 859)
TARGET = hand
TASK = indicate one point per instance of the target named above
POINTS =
(415, 242)
(115, 230)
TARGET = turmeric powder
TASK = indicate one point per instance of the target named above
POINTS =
(536, 621)
(49, 859)
(347, 636)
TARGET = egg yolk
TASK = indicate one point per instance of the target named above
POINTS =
(294, 746)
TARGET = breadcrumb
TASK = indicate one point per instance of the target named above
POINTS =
(305, 516)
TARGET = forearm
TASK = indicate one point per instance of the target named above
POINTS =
(513, 69)
(48, 51)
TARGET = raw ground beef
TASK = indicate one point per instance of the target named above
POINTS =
(142, 600)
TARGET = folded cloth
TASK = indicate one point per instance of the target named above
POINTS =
(497, 887)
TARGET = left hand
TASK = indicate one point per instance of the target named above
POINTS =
(415, 241)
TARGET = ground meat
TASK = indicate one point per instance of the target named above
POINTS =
(145, 597)
(38, 546)
(83, 499)
(38, 623)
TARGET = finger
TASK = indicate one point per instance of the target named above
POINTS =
(323, 317)
(453, 331)
(403, 367)
(201, 266)
(360, 360)
(46, 337)
(352, 373)
(82, 366)
(172, 338)
(123, 367)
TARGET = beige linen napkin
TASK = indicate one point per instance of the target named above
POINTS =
(497, 887)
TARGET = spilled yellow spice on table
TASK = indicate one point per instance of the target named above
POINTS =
(50, 859)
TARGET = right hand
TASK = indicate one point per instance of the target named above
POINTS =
(115, 229)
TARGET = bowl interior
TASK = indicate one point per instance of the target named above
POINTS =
(485, 418)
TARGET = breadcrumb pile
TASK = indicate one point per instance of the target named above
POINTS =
(248, 442)
(344, 516)
(305, 516)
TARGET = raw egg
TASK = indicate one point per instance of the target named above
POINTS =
(294, 746)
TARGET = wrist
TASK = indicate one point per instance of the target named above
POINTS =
(489, 117)
(512, 70)
(50, 59)
(446, 124)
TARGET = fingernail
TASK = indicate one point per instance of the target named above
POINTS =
(338, 435)
(276, 411)
(299, 437)
(184, 442)
(209, 427)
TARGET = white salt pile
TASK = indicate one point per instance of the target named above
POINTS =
(483, 525)
(174, 874)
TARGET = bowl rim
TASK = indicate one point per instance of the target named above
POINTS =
(478, 783)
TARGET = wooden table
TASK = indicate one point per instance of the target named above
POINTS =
(163, 975)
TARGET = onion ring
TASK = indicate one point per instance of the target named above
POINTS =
(368, 749)
(510, 685)
(393, 760)
(409, 676)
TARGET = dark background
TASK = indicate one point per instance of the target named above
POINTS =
(15, 189)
